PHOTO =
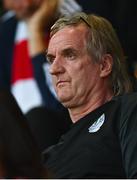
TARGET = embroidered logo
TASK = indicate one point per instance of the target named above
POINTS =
(97, 124)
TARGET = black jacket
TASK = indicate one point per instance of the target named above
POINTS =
(103, 144)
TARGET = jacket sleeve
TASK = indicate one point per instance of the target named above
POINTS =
(7, 32)
(128, 135)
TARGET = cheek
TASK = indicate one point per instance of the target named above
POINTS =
(80, 83)
(54, 83)
(85, 77)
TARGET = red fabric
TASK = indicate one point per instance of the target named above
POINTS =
(22, 66)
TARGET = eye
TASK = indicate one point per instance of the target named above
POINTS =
(69, 54)
(50, 59)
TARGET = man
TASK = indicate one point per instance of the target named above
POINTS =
(90, 78)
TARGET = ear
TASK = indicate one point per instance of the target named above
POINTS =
(106, 65)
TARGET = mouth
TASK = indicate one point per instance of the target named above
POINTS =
(61, 83)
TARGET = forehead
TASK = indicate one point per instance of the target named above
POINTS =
(68, 36)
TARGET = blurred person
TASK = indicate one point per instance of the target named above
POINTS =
(19, 154)
(90, 77)
(23, 69)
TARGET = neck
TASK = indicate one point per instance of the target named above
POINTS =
(96, 101)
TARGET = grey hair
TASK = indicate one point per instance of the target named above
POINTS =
(101, 39)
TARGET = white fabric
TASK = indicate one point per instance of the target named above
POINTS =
(21, 32)
(26, 94)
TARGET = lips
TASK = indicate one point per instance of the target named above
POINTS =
(61, 83)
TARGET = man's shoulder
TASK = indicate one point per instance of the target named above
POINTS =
(6, 22)
(128, 105)
(7, 32)
(7, 16)
(128, 99)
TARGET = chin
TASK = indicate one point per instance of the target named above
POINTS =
(66, 103)
(65, 98)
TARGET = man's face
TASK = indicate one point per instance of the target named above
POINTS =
(74, 73)
(25, 8)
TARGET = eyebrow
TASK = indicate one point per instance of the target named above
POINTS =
(69, 50)
(63, 52)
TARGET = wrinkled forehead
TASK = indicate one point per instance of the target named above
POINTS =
(69, 36)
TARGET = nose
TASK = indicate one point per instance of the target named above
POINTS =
(57, 67)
